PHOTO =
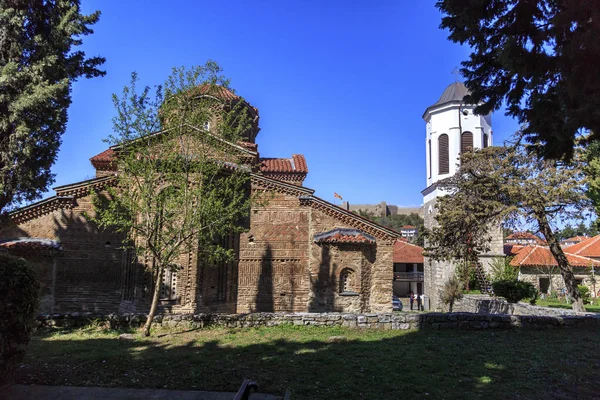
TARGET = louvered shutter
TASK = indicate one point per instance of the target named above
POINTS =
(466, 142)
(485, 140)
(444, 155)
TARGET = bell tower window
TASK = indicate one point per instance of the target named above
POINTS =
(466, 142)
(444, 155)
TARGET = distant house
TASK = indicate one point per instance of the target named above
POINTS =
(573, 240)
(409, 232)
(589, 247)
(524, 238)
(408, 268)
(537, 265)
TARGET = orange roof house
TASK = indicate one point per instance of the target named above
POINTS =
(409, 253)
(540, 256)
(587, 248)
(524, 238)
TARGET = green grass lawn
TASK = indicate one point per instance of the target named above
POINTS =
(515, 364)
(558, 304)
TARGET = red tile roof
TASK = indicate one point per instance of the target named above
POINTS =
(296, 164)
(525, 236)
(588, 248)
(405, 252)
(104, 160)
(512, 249)
(536, 256)
(27, 246)
(217, 91)
(408, 227)
(576, 239)
(344, 235)
(249, 146)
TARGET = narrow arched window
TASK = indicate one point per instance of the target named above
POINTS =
(346, 281)
(429, 172)
(485, 140)
(443, 155)
(466, 142)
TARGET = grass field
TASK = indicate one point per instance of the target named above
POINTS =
(558, 304)
(516, 364)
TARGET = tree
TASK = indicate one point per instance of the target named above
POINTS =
(512, 186)
(451, 292)
(181, 184)
(540, 57)
(37, 69)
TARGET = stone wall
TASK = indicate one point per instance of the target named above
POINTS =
(273, 262)
(86, 275)
(484, 304)
(395, 321)
(556, 280)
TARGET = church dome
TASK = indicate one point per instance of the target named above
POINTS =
(453, 93)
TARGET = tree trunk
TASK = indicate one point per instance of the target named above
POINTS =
(563, 264)
(154, 302)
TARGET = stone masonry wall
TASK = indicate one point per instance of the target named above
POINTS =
(395, 321)
(86, 275)
(373, 263)
(273, 265)
(484, 304)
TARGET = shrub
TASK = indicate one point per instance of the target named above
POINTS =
(513, 291)
(502, 270)
(451, 292)
(19, 298)
(584, 292)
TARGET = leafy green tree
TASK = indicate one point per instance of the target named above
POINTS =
(181, 183)
(38, 65)
(540, 57)
(508, 185)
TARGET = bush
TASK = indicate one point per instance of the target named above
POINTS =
(451, 292)
(514, 291)
(502, 270)
(19, 298)
(584, 292)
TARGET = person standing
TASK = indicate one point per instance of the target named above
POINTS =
(419, 300)
(412, 300)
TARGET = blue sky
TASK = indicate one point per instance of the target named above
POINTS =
(343, 82)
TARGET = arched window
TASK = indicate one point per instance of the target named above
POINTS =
(466, 142)
(485, 140)
(444, 155)
(347, 281)
(429, 149)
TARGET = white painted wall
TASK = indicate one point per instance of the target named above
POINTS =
(445, 120)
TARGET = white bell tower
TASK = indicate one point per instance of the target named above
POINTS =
(451, 128)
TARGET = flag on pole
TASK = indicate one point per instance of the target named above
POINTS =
(337, 196)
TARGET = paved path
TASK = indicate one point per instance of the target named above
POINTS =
(39, 392)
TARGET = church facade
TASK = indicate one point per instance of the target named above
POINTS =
(300, 252)
(452, 128)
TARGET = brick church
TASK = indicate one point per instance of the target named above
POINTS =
(300, 253)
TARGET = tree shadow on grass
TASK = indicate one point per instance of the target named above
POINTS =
(369, 365)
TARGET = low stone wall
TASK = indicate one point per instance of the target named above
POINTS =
(484, 304)
(396, 321)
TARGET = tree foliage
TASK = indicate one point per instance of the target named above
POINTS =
(451, 291)
(37, 68)
(19, 300)
(182, 184)
(507, 185)
(540, 57)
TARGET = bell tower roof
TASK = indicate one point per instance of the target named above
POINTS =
(452, 94)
